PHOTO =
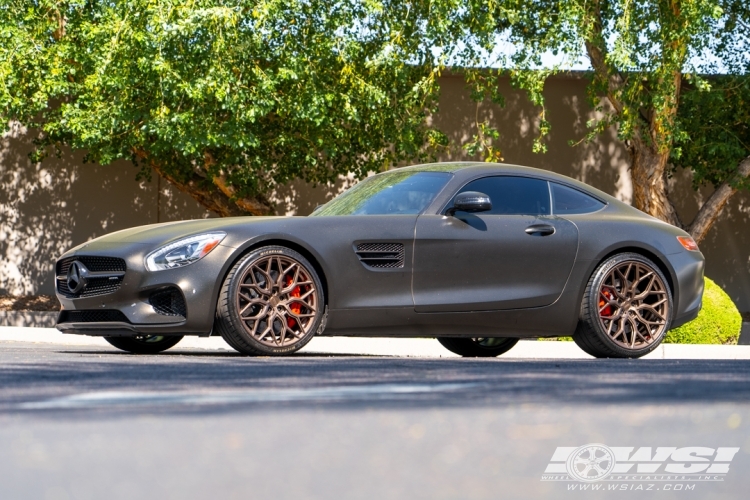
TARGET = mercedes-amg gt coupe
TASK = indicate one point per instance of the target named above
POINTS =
(477, 255)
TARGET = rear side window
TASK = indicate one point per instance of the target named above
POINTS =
(571, 201)
(513, 195)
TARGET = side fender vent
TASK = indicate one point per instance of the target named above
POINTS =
(381, 255)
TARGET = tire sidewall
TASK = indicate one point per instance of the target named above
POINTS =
(231, 305)
(593, 304)
(468, 348)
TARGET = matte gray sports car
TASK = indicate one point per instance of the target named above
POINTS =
(477, 255)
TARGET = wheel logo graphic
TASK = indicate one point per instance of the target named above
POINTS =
(591, 462)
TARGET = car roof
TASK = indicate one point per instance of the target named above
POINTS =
(470, 169)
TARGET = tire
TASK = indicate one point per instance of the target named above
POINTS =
(271, 303)
(478, 348)
(144, 344)
(626, 308)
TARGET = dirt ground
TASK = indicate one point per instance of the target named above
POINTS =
(29, 303)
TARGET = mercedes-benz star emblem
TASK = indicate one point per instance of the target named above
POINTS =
(77, 277)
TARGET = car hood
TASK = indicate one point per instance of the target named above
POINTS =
(155, 235)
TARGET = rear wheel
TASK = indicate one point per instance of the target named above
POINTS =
(144, 344)
(487, 347)
(271, 303)
(626, 308)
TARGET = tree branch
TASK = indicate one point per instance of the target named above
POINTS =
(216, 196)
(598, 57)
(249, 205)
(711, 210)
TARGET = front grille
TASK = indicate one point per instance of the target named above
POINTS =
(111, 269)
(95, 286)
(92, 316)
(93, 264)
(169, 302)
(381, 255)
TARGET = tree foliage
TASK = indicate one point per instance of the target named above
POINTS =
(642, 53)
(715, 128)
(229, 98)
(714, 119)
(226, 99)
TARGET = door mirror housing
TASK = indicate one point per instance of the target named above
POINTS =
(470, 201)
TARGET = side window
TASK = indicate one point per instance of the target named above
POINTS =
(571, 201)
(513, 195)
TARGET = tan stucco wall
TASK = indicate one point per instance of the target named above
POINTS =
(48, 207)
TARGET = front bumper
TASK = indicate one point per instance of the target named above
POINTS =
(199, 284)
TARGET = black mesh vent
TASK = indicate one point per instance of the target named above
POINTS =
(92, 316)
(381, 255)
(95, 286)
(168, 301)
(93, 264)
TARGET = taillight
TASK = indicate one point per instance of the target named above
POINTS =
(688, 242)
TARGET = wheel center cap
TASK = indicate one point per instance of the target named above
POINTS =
(274, 301)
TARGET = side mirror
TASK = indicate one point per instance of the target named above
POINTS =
(470, 201)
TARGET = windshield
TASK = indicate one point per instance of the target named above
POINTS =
(404, 192)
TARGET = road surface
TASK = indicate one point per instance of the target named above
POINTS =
(89, 422)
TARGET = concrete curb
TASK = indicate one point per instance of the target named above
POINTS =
(421, 348)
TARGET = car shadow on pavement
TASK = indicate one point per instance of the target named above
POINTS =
(220, 354)
(211, 382)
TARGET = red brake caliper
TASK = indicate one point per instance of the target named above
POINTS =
(606, 295)
(295, 307)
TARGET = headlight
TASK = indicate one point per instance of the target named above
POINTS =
(183, 252)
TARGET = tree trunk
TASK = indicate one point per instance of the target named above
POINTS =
(648, 172)
(712, 208)
(649, 163)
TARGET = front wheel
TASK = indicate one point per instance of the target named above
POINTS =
(487, 347)
(144, 344)
(271, 303)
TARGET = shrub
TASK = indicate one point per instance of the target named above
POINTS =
(719, 321)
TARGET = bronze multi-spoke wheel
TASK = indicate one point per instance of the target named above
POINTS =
(271, 303)
(484, 347)
(144, 344)
(626, 310)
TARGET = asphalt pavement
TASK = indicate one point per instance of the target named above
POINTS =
(89, 422)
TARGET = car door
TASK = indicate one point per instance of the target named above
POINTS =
(515, 255)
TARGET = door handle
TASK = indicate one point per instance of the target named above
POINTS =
(540, 230)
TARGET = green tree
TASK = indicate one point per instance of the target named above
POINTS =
(225, 99)
(641, 53)
(715, 144)
(715, 119)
